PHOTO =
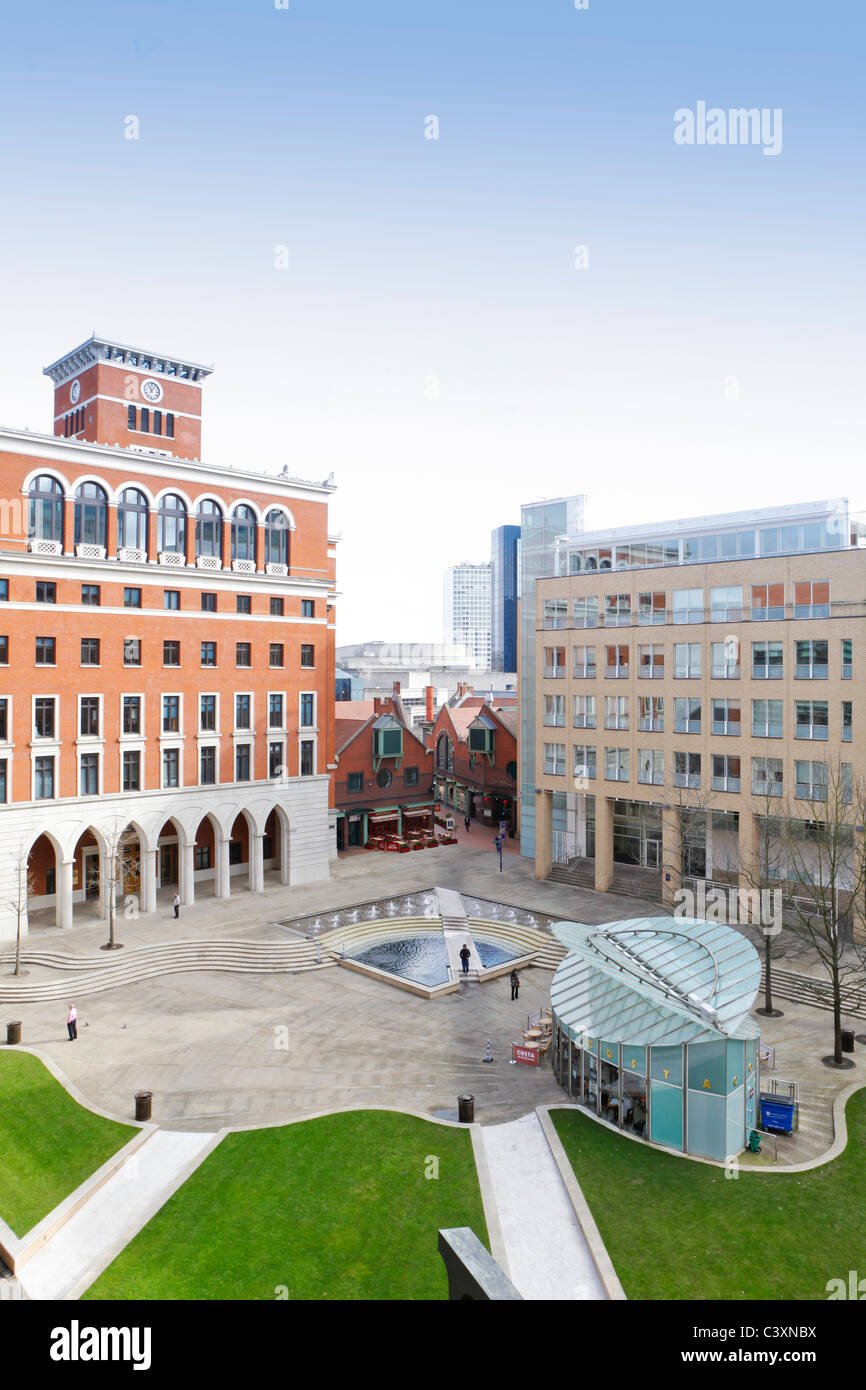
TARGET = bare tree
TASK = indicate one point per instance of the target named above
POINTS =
(684, 819)
(25, 887)
(117, 864)
(826, 859)
(762, 873)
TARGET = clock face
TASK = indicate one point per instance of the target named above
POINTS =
(151, 390)
(74, 391)
(383, 777)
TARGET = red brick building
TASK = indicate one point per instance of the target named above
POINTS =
(475, 761)
(383, 779)
(166, 648)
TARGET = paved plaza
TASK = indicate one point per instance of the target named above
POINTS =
(222, 1049)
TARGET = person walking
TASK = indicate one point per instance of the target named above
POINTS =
(515, 984)
(177, 904)
(72, 1023)
(466, 823)
(464, 956)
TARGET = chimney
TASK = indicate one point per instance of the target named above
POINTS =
(397, 688)
(430, 699)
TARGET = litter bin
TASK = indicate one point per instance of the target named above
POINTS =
(466, 1109)
(13, 1033)
(143, 1101)
(777, 1112)
(847, 1039)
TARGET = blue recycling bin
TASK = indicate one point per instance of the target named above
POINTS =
(777, 1112)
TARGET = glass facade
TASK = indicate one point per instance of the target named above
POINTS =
(504, 546)
(542, 526)
(698, 1097)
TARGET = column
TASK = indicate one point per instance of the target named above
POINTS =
(672, 862)
(148, 880)
(603, 842)
(285, 851)
(64, 896)
(226, 552)
(223, 880)
(186, 887)
(260, 549)
(68, 526)
(190, 538)
(543, 833)
(257, 864)
(111, 530)
(152, 535)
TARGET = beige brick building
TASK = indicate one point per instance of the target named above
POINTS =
(679, 697)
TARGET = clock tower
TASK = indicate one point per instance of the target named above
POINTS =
(108, 393)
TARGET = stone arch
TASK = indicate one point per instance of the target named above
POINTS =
(282, 841)
(209, 851)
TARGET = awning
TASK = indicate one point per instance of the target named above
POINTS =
(417, 811)
(384, 815)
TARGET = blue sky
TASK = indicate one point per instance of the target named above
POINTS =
(431, 341)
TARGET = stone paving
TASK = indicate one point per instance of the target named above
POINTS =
(224, 1049)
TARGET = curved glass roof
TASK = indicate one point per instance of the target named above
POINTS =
(656, 980)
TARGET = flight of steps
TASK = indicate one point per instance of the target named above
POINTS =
(357, 936)
(94, 974)
(803, 989)
(545, 950)
(578, 873)
(110, 969)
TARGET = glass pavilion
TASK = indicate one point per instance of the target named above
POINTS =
(652, 1030)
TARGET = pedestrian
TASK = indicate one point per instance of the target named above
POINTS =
(464, 956)
(515, 984)
(466, 823)
(72, 1023)
(176, 904)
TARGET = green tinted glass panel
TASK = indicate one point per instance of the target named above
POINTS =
(666, 1064)
(707, 1067)
(707, 1124)
(666, 1115)
(735, 1065)
(736, 1133)
(634, 1059)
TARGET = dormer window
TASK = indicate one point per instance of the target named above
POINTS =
(387, 741)
(482, 739)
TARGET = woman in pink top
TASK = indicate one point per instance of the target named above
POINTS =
(72, 1023)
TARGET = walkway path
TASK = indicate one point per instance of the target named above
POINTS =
(548, 1257)
(455, 929)
(68, 1263)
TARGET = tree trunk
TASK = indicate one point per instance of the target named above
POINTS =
(768, 982)
(837, 1017)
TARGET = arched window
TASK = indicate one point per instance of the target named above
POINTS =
(132, 520)
(244, 534)
(209, 531)
(172, 524)
(445, 753)
(276, 538)
(46, 509)
(91, 515)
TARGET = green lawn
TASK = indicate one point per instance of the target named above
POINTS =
(332, 1208)
(678, 1229)
(49, 1143)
